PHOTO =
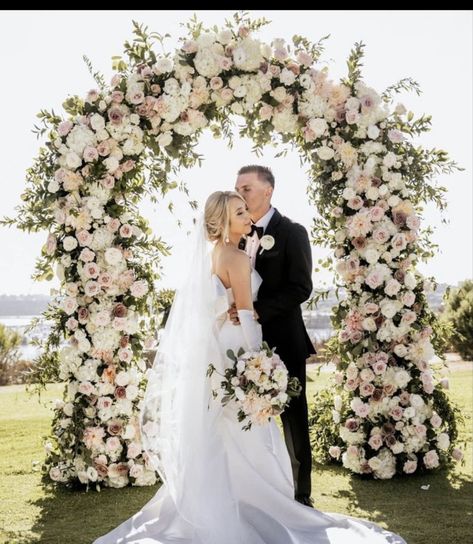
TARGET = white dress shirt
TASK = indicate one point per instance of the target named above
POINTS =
(253, 242)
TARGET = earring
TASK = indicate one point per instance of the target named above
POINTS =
(227, 240)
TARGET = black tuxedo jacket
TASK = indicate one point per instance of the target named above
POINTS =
(286, 270)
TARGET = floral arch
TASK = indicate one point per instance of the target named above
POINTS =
(367, 179)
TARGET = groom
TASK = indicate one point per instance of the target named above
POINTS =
(280, 251)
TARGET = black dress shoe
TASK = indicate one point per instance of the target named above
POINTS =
(305, 500)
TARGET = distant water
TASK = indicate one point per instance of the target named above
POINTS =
(27, 350)
(30, 351)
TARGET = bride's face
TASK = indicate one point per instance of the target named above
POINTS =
(240, 219)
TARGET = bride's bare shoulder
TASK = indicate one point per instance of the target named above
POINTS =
(231, 257)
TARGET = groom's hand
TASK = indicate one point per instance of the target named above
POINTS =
(233, 314)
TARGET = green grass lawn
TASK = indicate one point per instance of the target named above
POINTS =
(31, 514)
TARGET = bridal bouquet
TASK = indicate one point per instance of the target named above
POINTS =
(258, 383)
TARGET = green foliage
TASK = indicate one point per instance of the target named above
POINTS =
(459, 316)
(323, 430)
(10, 342)
(315, 50)
(404, 84)
(354, 64)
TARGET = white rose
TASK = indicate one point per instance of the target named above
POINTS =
(318, 126)
(287, 77)
(225, 37)
(113, 256)
(111, 164)
(389, 160)
(373, 132)
(73, 160)
(164, 139)
(400, 350)
(372, 193)
(97, 122)
(325, 153)
(267, 242)
(410, 281)
(69, 243)
(163, 65)
(53, 186)
(372, 256)
(443, 441)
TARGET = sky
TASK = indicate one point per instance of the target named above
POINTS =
(42, 64)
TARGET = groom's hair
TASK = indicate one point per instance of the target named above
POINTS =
(264, 173)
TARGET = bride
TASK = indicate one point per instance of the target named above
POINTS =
(221, 485)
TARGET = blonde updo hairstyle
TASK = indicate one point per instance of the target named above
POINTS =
(217, 215)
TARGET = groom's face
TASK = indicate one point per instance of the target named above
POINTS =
(256, 192)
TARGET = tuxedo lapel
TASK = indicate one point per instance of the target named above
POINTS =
(271, 230)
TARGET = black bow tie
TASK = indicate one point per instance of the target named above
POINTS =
(259, 231)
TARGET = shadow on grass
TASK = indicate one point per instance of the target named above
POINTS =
(438, 515)
(78, 517)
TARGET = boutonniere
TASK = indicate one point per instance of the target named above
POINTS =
(266, 242)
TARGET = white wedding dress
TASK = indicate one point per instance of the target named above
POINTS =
(249, 497)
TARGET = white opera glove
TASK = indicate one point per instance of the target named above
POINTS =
(252, 331)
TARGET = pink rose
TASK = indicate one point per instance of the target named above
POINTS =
(108, 182)
(375, 278)
(91, 270)
(120, 392)
(72, 324)
(352, 117)
(104, 148)
(134, 449)
(366, 389)
(304, 58)
(105, 279)
(370, 308)
(113, 225)
(190, 47)
(375, 441)
(265, 112)
(90, 154)
(431, 459)
(355, 203)
(352, 424)
(115, 115)
(83, 315)
(117, 97)
(64, 128)
(51, 244)
(379, 368)
(92, 288)
(84, 237)
(352, 451)
(397, 413)
(86, 388)
(334, 451)
(410, 467)
(362, 410)
(139, 288)
(457, 454)
(126, 231)
(87, 255)
(436, 421)
(376, 213)
(216, 83)
(92, 96)
(119, 323)
(395, 136)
